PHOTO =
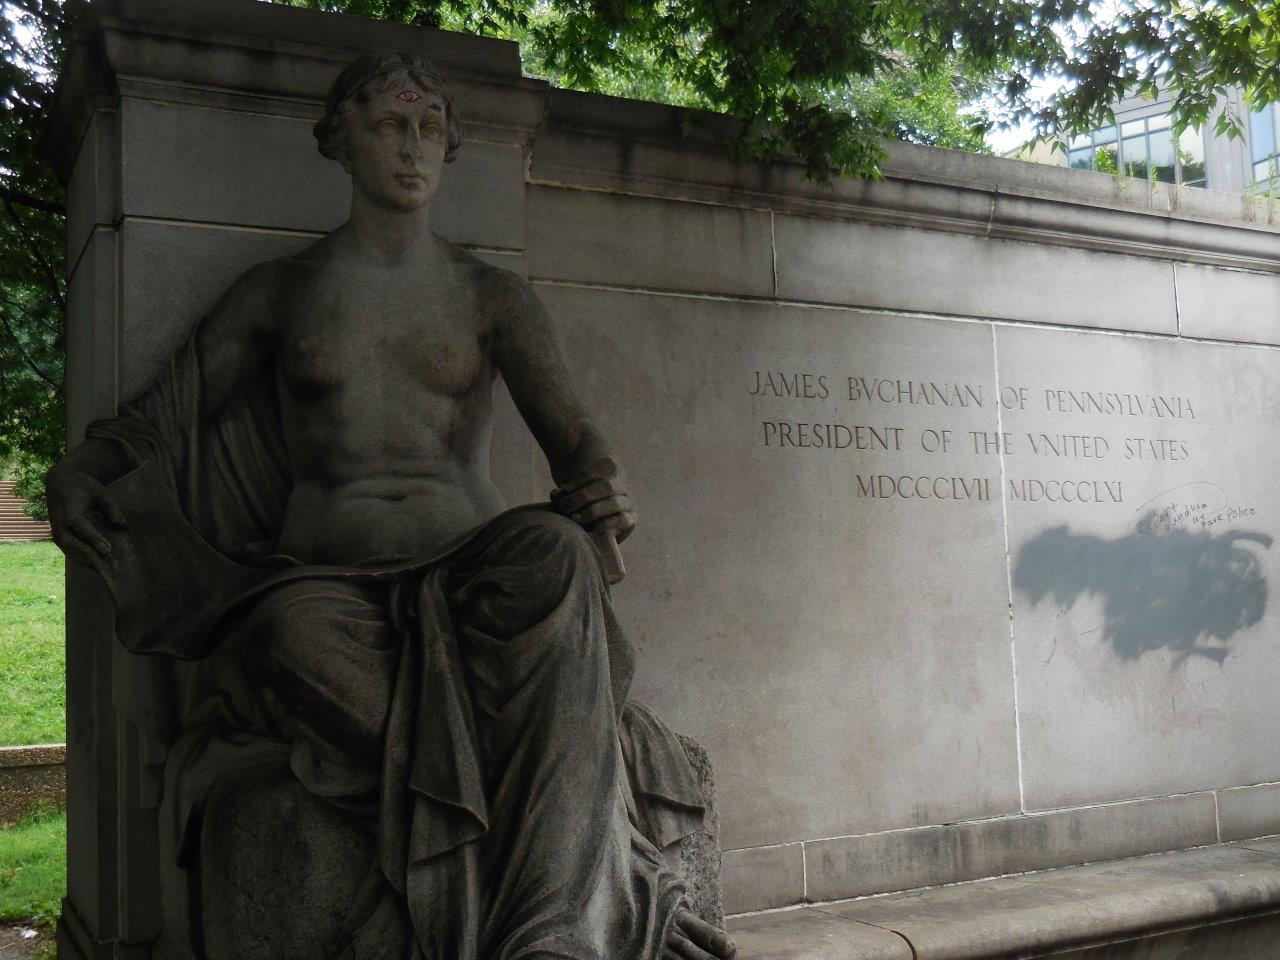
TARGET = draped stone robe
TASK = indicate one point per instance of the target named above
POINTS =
(468, 706)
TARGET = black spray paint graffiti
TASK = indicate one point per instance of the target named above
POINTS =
(1188, 590)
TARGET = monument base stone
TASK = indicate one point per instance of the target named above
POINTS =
(286, 873)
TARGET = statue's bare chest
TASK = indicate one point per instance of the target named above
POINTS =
(414, 337)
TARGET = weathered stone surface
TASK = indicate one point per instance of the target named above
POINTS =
(91, 807)
(37, 755)
(480, 202)
(805, 686)
(591, 237)
(903, 859)
(92, 294)
(319, 863)
(1263, 844)
(1076, 907)
(627, 146)
(283, 894)
(91, 347)
(954, 274)
(813, 935)
(1143, 621)
(1104, 912)
(1221, 304)
(697, 857)
(166, 144)
(31, 777)
(1247, 812)
(1231, 940)
(91, 190)
(763, 878)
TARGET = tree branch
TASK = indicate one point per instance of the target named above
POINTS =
(35, 251)
(26, 357)
(53, 328)
(22, 198)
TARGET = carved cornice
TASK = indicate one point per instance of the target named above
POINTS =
(600, 143)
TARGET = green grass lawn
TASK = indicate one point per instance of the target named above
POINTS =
(33, 854)
(32, 691)
(33, 868)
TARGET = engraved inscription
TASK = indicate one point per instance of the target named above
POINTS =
(882, 454)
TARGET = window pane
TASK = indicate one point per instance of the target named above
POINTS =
(1191, 156)
(1081, 159)
(1080, 140)
(1262, 134)
(1133, 127)
(1162, 156)
(1264, 170)
(1105, 135)
(1134, 152)
(1158, 122)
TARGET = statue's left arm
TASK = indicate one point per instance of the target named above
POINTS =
(590, 485)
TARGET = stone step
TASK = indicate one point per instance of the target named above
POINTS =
(24, 533)
(1215, 903)
(14, 522)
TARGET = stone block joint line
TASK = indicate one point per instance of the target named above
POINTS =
(1008, 572)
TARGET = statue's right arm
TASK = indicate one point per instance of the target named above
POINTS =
(233, 342)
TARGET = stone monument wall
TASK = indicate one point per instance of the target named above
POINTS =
(956, 488)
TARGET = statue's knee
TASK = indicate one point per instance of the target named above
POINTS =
(293, 627)
(535, 561)
(278, 620)
(549, 538)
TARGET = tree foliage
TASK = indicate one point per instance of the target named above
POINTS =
(826, 80)
(817, 78)
(32, 288)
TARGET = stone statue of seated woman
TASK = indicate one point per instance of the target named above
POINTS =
(404, 728)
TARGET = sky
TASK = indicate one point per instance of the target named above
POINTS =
(1005, 141)
(1044, 89)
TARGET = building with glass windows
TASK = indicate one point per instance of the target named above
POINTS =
(1142, 144)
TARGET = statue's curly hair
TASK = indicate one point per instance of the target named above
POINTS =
(371, 75)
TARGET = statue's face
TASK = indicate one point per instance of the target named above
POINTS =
(396, 142)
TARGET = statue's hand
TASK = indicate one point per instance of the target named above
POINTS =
(78, 509)
(597, 500)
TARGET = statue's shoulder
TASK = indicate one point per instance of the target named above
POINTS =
(258, 299)
(304, 264)
(466, 264)
(287, 275)
(498, 289)
(268, 278)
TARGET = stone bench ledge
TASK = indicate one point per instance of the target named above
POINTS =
(1032, 915)
(38, 755)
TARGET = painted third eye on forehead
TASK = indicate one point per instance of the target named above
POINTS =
(409, 96)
